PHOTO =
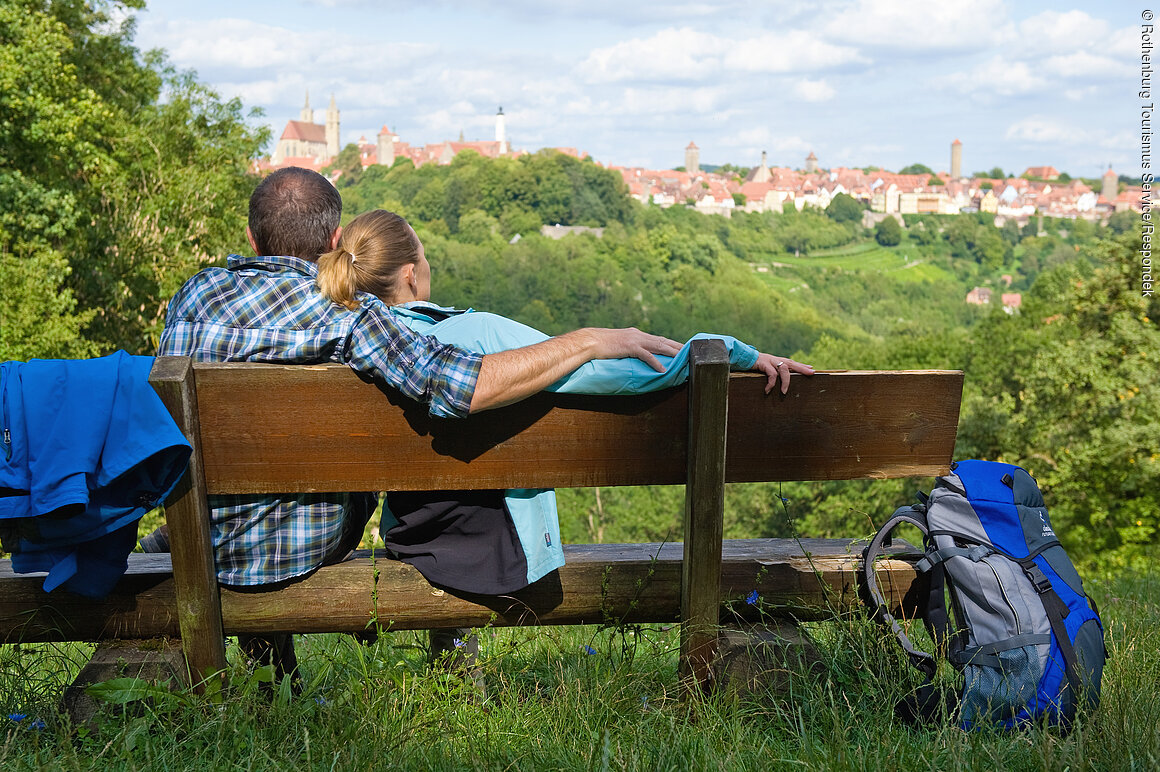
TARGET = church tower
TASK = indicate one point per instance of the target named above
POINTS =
(501, 132)
(307, 114)
(693, 159)
(956, 160)
(332, 129)
(811, 163)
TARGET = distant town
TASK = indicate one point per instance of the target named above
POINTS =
(1037, 191)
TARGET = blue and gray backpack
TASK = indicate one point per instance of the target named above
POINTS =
(1027, 639)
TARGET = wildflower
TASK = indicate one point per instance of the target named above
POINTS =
(17, 716)
(38, 724)
(589, 650)
(457, 643)
(752, 598)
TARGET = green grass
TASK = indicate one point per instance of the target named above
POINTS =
(904, 262)
(553, 705)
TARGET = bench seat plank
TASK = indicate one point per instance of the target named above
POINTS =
(599, 583)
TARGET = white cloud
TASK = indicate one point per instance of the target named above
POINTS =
(687, 54)
(998, 76)
(1056, 31)
(1082, 64)
(814, 90)
(1042, 130)
(904, 26)
(671, 54)
(793, 51)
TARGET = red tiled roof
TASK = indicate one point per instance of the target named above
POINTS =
(307, 132)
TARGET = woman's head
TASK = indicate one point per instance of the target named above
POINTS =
(378, 253)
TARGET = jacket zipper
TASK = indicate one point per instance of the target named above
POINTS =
(7, 433)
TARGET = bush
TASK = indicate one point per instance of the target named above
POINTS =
(888, 233)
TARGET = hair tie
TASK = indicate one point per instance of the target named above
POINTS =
(353, 259)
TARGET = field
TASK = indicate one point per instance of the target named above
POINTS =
(582, 698)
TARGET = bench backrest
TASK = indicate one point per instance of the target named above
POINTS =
(260, 428)
(278, 429)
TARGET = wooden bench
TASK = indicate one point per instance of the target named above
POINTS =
(263, 429)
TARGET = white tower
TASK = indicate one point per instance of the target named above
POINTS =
(501, 132)
(332, 130)
(307, 114)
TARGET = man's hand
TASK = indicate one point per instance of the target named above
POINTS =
(778, 369)
(509, 376)
(631, 343)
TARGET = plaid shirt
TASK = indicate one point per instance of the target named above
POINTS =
(267, 309)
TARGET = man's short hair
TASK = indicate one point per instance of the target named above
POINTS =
(294, 212)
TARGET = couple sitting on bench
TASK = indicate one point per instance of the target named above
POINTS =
(318, 293)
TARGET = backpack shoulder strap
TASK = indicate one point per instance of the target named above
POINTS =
(879, 610)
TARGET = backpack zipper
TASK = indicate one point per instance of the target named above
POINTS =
(1003, 591)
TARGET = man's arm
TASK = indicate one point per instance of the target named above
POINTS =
(510, 376)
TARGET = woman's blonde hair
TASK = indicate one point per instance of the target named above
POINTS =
(373, 247)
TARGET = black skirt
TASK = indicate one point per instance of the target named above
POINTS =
(462, 540)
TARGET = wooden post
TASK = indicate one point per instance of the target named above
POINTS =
(704, 510)
(199, 610)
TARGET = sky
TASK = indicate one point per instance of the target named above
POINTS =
(632, 82)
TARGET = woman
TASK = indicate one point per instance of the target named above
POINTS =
(489, 542)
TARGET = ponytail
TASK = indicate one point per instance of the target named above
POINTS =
(337, 279)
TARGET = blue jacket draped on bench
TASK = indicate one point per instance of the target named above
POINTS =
(86, 449)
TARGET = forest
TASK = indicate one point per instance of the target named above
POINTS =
(120, 177)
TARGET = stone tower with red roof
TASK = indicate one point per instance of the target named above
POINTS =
(1111, 185)
(693, 158)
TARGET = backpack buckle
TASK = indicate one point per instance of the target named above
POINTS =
(1040, 581)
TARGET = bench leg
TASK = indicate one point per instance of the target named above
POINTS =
(158, 661)
(704, 511)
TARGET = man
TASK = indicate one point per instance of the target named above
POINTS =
(267, 309)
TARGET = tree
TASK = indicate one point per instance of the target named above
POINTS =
(934, 181)
(1072, 396)
(845, 208)
(916, 169)
(888, 232)
(118, 179)
(348, 163)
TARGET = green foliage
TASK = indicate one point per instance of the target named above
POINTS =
(934, 181)
(554, 187)
(348, 163)
(888, 232)
(845, 208)
(1072, 395)
(118, 178)
(916, 169)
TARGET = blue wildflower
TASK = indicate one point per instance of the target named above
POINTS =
(589, 650)
(17, 716)
(457, 643)
(38, 724)
(752, 598)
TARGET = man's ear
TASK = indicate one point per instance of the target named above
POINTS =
(334, 237)
(253, 244)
